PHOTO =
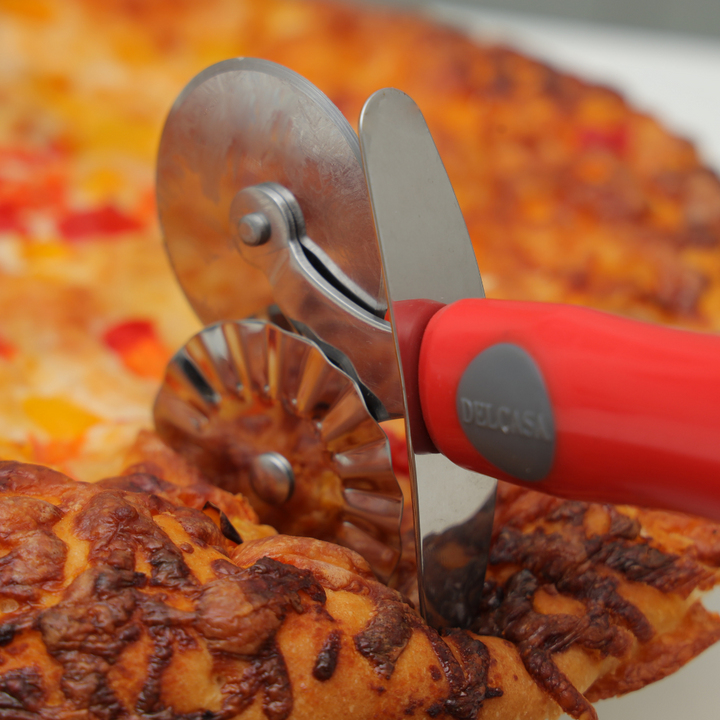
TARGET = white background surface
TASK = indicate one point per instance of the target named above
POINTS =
(677, 79)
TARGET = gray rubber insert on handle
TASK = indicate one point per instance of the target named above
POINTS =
(504, 409)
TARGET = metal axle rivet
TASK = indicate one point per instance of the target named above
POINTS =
(272, 478)
(254, 229)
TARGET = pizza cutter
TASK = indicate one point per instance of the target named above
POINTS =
(265, 194)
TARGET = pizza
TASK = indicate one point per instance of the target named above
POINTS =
(570, 195)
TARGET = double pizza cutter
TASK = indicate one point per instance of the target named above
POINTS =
(340, 289)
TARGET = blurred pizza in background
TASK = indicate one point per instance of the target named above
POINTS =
(569, 193)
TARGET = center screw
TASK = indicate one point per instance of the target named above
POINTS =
(272, 478)
(254, 229)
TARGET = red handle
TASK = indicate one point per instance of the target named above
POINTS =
(635, 407)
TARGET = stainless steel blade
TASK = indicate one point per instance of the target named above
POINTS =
(240, 123)
(427, 254)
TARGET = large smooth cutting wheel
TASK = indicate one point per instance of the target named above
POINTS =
(243, 122)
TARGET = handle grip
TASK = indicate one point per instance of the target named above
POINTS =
(631, 413)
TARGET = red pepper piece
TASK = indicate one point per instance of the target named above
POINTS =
(124, 335)
(90, 224)
(9, 218)
(139, 347)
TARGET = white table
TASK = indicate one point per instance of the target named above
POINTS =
(677, 79)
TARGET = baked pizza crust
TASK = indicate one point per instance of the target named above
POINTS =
(137, 597)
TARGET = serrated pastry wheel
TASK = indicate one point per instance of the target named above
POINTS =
(262, 411)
